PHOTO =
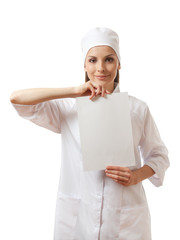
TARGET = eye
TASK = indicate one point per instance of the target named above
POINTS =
(92, 60)
(109, 59)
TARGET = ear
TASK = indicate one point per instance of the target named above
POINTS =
(119, 66)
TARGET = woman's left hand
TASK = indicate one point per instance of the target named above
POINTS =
(122, 175)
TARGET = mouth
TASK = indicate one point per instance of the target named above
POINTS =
(101, 77)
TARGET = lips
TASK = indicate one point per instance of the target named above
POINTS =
(101, 77)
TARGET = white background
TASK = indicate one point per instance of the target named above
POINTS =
(40, 47)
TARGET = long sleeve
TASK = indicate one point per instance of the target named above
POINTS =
(153, 151)
(46, 114)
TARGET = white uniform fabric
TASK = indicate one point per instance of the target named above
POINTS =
(91, 206)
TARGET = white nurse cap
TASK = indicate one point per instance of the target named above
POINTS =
(100, 37)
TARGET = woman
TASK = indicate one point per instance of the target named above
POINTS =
(110, 204)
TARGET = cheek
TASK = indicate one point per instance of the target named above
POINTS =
(112, 68)
(90, 69)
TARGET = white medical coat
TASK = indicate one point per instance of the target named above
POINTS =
(90, 205)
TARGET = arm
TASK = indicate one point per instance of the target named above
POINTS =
(153, 151)
(126, 177)
(40, 105)
(142, 173)
(154, 155)
(38, 95)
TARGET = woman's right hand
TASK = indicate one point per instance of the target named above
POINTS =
(91, 89)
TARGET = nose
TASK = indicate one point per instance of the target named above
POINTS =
(100, 67)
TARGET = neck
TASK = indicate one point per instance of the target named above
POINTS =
(110, 87)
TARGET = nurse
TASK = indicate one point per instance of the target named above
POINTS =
(107, 204)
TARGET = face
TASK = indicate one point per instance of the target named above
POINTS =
(101, 65)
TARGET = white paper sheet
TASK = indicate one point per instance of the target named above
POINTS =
(105, 131)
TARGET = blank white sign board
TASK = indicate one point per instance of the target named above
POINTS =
(105, 131)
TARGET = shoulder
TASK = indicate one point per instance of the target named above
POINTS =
(137, 106)
(137, 103)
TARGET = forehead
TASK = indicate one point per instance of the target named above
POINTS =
(101, 50)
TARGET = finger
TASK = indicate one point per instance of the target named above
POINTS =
(103, 92)
(120, 173)
(98, 90)
(117, 177)
(96, 87)
(108, 92)
(123, 169)
(122, 183)
(92, 92)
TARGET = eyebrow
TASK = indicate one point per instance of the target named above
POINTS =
(105, 56)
